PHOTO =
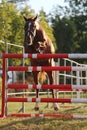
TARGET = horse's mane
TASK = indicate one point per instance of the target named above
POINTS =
(42, 31)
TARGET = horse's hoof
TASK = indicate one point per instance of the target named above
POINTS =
(36, 108)
(56, 108)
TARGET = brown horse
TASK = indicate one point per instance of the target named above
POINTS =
(36, 41)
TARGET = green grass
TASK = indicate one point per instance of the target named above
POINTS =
(42, 123)
(15, 123)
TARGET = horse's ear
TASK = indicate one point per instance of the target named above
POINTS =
(35, 18)
(25, 18)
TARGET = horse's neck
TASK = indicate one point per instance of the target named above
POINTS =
(37, 25)
(40, 33)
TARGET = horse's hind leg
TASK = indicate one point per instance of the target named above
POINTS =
(55, 105)
(35, 75)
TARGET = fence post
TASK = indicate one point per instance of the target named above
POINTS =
(3, 111)
(78, 83)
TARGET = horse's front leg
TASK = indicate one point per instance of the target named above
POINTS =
(35, 75)
(55, 105)
(37, 105)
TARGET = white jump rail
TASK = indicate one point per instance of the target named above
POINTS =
(41, 68)
(71, 56)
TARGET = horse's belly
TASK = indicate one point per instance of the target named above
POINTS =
(40, 62)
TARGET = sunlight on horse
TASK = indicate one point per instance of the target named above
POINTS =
(36, 41)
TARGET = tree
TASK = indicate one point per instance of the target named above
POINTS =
(78, 7)
(6, 13)
(15, 1)
(12, 24)
(79, 16)
(81, 34)
(64, 34)
(70, 26)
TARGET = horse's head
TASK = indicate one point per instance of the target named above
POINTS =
(30, 30)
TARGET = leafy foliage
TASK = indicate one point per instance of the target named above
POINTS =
(70, 30)
(15, 1)
(78, 7)
(12, 24)
(64, 34)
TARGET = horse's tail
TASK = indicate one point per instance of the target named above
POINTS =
(42, 77)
